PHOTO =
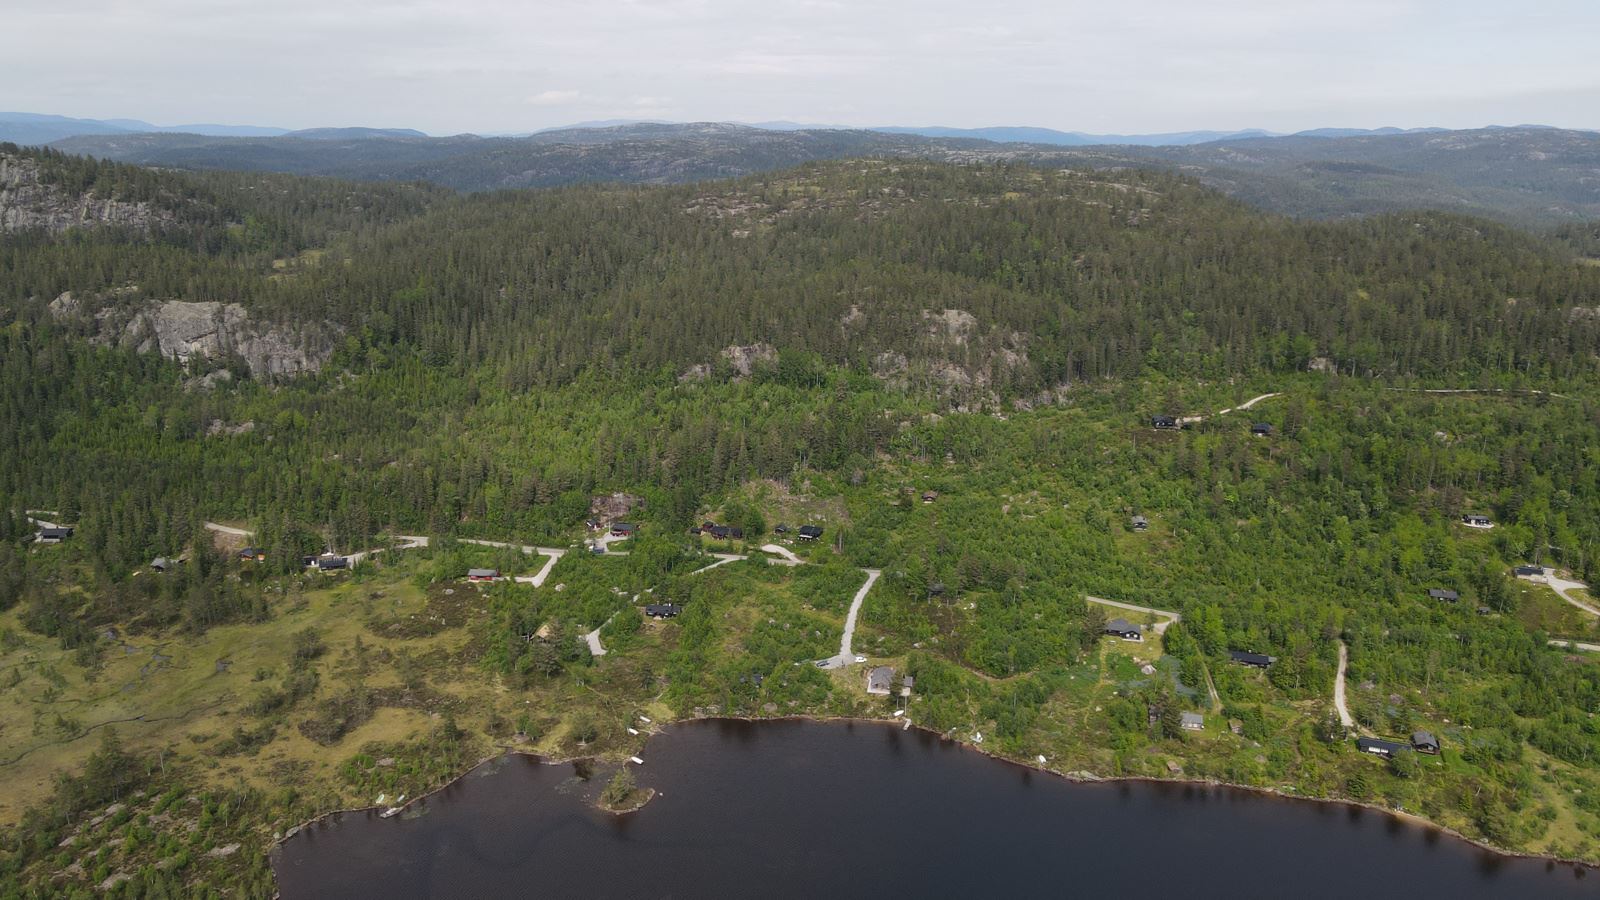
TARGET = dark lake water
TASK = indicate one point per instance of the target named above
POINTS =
(803, 809)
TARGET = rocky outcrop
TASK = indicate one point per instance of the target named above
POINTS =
(206, 330)
(952, 325)
(744, 360)
(609, 508)
(29, 202)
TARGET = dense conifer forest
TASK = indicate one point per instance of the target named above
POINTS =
(952, 368)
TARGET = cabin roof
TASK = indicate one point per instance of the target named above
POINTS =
(1122, 626)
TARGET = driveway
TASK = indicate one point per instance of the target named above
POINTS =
(1159, 627)
(1562, 585)
(846, 656)
(1345, 718)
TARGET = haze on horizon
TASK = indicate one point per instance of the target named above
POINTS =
(488, 66)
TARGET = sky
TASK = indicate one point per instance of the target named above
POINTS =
(1106, 66)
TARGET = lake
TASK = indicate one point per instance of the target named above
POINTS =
(809, 809)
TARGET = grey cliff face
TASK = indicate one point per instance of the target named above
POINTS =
(206, 330)
(28, 202)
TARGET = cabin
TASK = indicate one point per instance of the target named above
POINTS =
(1261, 429)
(1124, 629)
(662, 610)
(782, 528)
(719, 532)
(1139, 523)
(1443, 594)
(1424, 742)
(810, 532)
(936, 589)
(161, 564)
(329, 562)
(623, 530)
(1379, 747)
(252, 554)
(1257, 660)
(1192, 721)
(929, 496)
(1484, 610)
(1164, 422)
(1528, 571)
(906, 684)
(879, 680)
(1476, 521)
(52, 535)
(482, 574)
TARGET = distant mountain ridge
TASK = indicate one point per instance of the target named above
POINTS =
(38, 128)
(1527, 175)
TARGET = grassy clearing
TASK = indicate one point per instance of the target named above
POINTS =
(1541, 609)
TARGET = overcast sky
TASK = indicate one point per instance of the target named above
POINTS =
(1121, 66)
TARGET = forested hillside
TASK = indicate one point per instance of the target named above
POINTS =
(1538, 176)
(951, 369)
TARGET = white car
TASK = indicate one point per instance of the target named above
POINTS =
(861, 659)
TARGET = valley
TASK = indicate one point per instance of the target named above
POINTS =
(1007, 404)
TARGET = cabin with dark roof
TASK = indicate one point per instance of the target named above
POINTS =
(1124, 629)
(482, 574)
(662, 610)
(719, 532)
(1443, 594)
(623, 529)
(1528, 571)
(161, 564)
(782, 528)
(1476, 521)
(1261, 429)
(1424, 742)
(252, 554)
(810, 532)
(53, 535)
(879, 680)
(330, 562)
(1245, 658)
(1380, 747)
(1167, 422)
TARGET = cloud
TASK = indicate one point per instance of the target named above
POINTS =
(554, 98)
(447, 66)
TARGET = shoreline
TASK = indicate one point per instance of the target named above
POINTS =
(1079, 777)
